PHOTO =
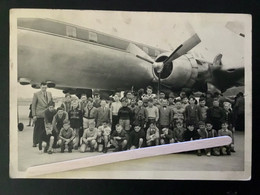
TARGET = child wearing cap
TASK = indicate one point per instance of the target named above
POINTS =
(89, 138)
(48, 138)
(166, 136)
(66, 136)
(152, 135)
(119, 138)
(103, 137)
(136, 137)
(225, 132)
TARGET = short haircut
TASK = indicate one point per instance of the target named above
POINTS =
(224, 122)
(177, 100)
(137, 125)
(149, 87)
(60, 108)
(51, 103)
(201, 123)
(92, 123)
(118, 125)
(48, 125)
(123, 100)
(179, 123)
(192, 97)
(66, 121)
(43, 83)
(67, 94)
(202, 99)
(190, 123)
(150, 100)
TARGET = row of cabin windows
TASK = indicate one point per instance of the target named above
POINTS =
(92, 36)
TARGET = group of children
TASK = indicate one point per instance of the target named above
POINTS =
(91, 125)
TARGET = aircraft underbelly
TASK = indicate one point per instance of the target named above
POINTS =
(78, 64)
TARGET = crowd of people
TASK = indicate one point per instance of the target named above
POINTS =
(134, 120)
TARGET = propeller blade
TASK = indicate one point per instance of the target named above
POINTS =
(135, 50)
(183, 48)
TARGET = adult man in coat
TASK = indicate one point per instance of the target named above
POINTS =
(40, 103)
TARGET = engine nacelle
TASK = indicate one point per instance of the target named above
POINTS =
(180, 73)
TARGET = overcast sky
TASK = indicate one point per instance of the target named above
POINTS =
(162, 30)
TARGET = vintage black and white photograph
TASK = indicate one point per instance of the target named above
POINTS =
(130, 95)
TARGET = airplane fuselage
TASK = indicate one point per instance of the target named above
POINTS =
(73, 57)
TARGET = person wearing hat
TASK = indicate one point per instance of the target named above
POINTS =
(58, 119)
(66, 136)
(136, 137)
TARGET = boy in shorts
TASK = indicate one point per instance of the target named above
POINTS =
(119, 138)
(152, 135)
(136, 137)
(66, 136)
(89, 138)
(103, 137)
(48, 138)
(212, 133)
(225, 132)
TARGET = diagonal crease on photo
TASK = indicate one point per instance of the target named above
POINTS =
(128, 155)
